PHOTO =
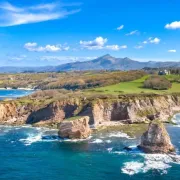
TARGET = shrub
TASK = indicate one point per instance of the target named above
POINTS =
(157, 83)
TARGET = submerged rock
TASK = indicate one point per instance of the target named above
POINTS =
(75, 129)
(127, 148)
(156, 139)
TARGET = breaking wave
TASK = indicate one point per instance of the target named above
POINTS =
(97, 141)
(158, 162)
(31, 139)
(120, 135)
(176, 119)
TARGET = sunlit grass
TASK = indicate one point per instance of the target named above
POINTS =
(136, 87)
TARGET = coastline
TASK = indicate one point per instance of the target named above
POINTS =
(9, 88)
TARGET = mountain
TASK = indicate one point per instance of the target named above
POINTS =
(106, 62)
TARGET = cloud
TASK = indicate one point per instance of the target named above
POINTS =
(154, 41)
(49, 7)
(172, 50)
(97, 43)
(132, 33)
(65, 59)
(33, 47)
(11, 15)
(100, 43)
(115, 47)
(138, 47)
(173, 25)
(120, 27)
(7, 6)
(144, 42)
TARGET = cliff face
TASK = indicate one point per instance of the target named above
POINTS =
(136, 109)
(54, 112)
(12, 114)
(156, 139)
(127, 109)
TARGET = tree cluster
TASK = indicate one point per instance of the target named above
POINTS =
(157, 83)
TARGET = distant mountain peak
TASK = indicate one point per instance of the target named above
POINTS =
(107, 56)
(126, 58)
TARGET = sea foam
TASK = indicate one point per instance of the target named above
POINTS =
(32, 138)
(97, 141)
(120, 135)
(159, 162)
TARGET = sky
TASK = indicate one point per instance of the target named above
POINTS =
(53, 32)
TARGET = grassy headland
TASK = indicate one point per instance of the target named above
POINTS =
(136, 87)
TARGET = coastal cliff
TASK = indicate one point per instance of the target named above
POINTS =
(136, 109)
(124, 108)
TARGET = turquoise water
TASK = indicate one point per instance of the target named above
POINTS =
(37, 153)
(28, 153)
(13, 93)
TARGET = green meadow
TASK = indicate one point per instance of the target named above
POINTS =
(136, 87)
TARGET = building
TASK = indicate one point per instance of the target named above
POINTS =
(164, 72)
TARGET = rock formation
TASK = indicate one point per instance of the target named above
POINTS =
(156, 139)
(75, 129)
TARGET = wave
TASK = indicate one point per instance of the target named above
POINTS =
(5, 129)
(120, 134)
(176, 119)
(97, 141)
(47, 135)
(32, 138)
(132, 168)
(108, 141)
(159, 162)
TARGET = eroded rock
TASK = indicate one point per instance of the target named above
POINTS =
(156, 139)
(75, 129)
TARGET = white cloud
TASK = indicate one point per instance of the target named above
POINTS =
(123, 47)
(132, 33)
(97, 43)
(155, 41)
(7, 6)
(64, 59)
(172, 50)
(100, 43)
(152, 40)
(115, 47)
(33, 47)
(173, 25)
(49, 7)
(120, 27)
(11, 15)
(138, 47)
(30, 45)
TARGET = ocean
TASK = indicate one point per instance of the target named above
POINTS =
(14, 93)
(28, 153)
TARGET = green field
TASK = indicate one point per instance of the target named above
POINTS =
(137, 87)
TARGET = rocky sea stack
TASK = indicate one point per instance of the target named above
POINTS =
(156, 139)
(75, 128)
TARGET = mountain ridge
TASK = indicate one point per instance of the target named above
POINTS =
(106, 62)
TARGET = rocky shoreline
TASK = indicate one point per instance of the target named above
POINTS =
(77, 118)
